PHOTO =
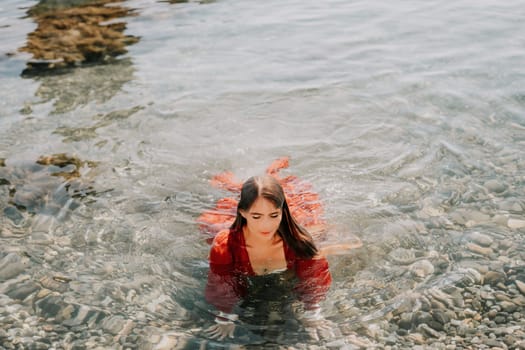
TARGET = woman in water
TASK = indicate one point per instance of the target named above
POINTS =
(264, 243)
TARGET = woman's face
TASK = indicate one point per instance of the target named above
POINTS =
(263, 218)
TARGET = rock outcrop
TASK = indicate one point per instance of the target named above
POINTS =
(89, 31)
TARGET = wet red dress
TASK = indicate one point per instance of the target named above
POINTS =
(230, 269)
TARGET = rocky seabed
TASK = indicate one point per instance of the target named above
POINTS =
(478, 304)
(450, 274)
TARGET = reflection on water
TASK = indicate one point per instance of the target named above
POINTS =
(69, 44)
(71, 88)
(79, 134)
(76, 32)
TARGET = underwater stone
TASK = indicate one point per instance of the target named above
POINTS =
(479, 249)
(494, 277)
(20, 291)
(56, 284)
(495, 186)
(422, 268)
(11, 265)
(114, 324)
(516, 223)
(14, 215)
(521, 286)
(481, 239)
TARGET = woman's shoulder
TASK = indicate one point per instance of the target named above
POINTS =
(220, 249)
(221, 237)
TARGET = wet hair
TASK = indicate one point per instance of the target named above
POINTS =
(293, 234)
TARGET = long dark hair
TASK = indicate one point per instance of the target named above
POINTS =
(293, 234)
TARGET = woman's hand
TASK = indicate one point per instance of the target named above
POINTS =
(317, 326)
(221, 330)
(320, 329)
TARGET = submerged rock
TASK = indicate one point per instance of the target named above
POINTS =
(21, 290)
(86, 31)
(11, 265)
(52, 185)
(516, 223)
(481, 239)
(495, 186)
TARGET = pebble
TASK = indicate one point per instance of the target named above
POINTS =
(479, 249)
(501, 220)
(468, 217)
(494, 277)
(508, 306)
(20, 291)
(481, 239)
(521, 286)
(495, 186)
(516, 223)
(11, 266)
(473, 298)
(167, 342)
(426, 330)
(422, 268)
(14, 215)
(511, 205)
(54, 283)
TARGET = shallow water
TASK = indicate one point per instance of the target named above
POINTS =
(407, 118)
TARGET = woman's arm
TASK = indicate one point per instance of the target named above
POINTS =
(314, 280)
(221, 290)
(340, 248)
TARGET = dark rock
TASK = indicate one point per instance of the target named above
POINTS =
(14, 215)
(20, 291)
(436, 325)
(440, 316)
(500, 319)
(405, 321)
(422, 317)
(49, 306)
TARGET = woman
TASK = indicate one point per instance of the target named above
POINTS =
(264, 240)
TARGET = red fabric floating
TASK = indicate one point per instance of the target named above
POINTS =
(305, 204)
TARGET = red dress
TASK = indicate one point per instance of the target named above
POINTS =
(230, 268)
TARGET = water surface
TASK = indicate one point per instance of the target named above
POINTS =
(407, 118)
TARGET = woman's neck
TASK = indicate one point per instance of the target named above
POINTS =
(265, 255)
(252, 240)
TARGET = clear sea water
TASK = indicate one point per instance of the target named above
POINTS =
(399, 113)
